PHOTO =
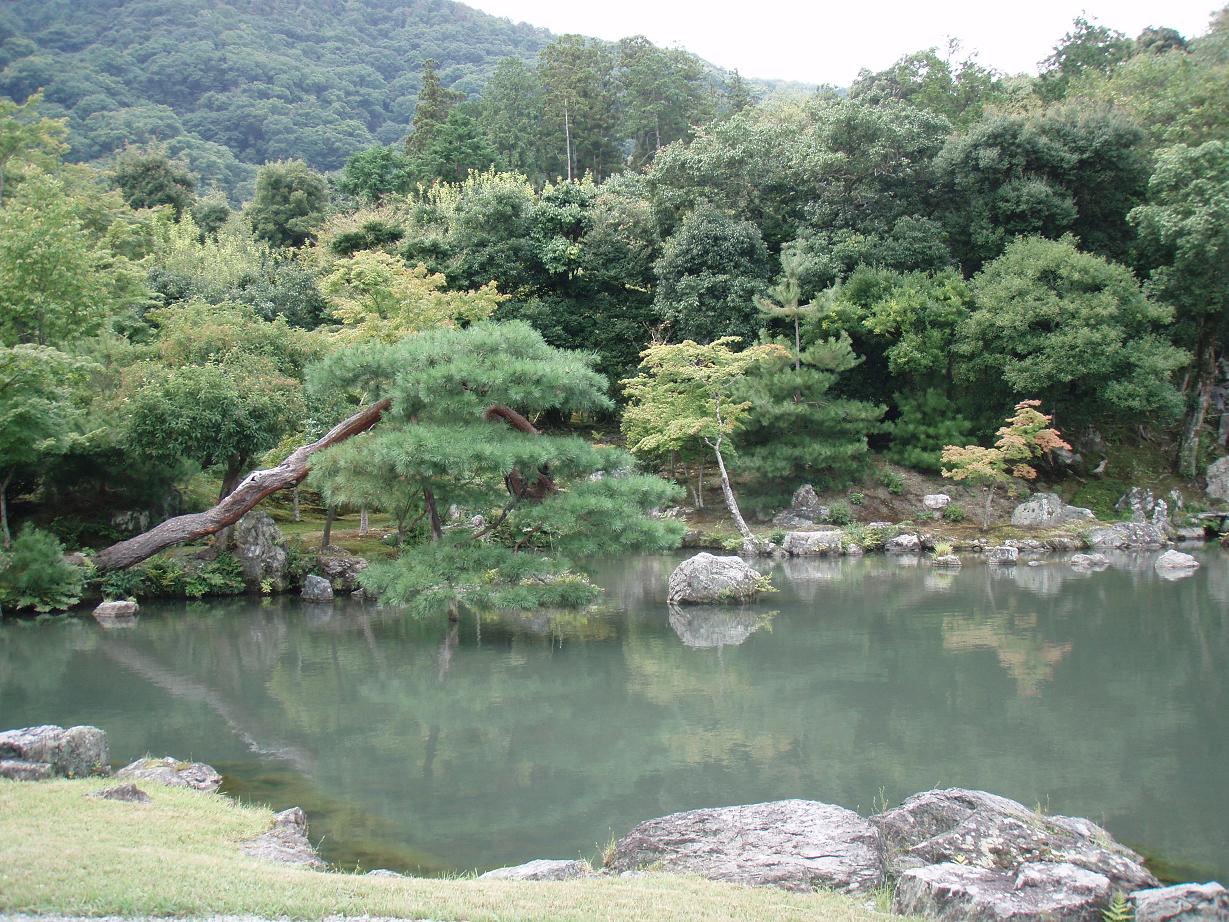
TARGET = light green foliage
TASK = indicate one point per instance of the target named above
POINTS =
(442, 443)
(1088, 48)
(34, 574)
(1072, 327)
(289, 203)
(27, 140)
(376, 296)
(174, 578)
(1026, 436)
(952, 513)
(957, 90)
(1119, 909)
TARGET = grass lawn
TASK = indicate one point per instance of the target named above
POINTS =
(64, 852)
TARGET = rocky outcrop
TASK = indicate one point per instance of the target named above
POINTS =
(114, 613)
(903, 544)
(713, 626)
(1003, 555)
(127, 793)
(341, 569)
(1047, 510)
(1085, 562)
(813, 543)
(707, 578)
(793, 844)
(316, 589)
(1217, 479)
(1176, 561)
(1188, 902)
(195, 775)
(1041, 892)
(261, 551)
(542, 869)
(33, 753)
(978, 830)
(1126, 535)
(804, 509)
(286, 842)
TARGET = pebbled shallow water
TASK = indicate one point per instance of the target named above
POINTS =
(429, 748)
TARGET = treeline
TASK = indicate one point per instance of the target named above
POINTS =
(232, 85)
(913, 259)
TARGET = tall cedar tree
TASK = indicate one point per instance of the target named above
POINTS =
(458, 434)
(434, 103)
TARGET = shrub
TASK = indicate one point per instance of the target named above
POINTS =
(943, 548)
(953, 513)
(927, 422)
(777, 538)
(839, 514)
(856, 499)
(123, 584)
(34, 574)
(893, 481)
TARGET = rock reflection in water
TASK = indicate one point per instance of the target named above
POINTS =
(716, 626)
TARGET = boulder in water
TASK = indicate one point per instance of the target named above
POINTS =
(316, 589)
(1189, 902)
(707, 578)
(1126, 535)
(285, 842)
(813, 543)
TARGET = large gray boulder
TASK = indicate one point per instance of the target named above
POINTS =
(316, 589)
(1175, 560)
(936, 502)
(1043, 510)
(793, 844)
(286, 842)
(1217, 478)
(715, 626)
(542, 869)
(172, 772)
(1188, 902)
(707, 578)
(261, 551)
(1003, 555)
(813, 543)
(40, 752)
(1043, 891)
(1127, 535)
(1086, 562)
(121, 613)
(804, 509)
(981, 830)
(903, 544)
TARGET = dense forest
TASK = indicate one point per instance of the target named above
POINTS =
(584, 260)
(229, 86)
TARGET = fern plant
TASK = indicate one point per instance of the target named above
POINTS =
(1119, 909)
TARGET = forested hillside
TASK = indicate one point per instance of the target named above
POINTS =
(234, 84)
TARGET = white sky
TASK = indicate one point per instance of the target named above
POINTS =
(820, 42)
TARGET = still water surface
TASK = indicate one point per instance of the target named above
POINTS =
(430, 748)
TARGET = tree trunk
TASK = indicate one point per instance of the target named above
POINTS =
(234, 470)
(567, 134)
(433, 514)
(364, 525)
(250, 491)
(327, 535)
(797, 344)
(730, 502)
(4, 510)
(699, 484)
(1205, 381)
(985, 519)
(298, 517)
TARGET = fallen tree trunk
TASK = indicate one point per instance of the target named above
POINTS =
(249, 491)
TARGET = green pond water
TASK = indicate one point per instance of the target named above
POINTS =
(433, 748)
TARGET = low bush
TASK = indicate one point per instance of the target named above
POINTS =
(35, 575)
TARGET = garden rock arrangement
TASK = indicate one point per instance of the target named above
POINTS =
(1127, 535)
(1217, 478)
(261, 551)
(1176, 560)
(707, 578)
(794, 844)
(316, 589)
(1085, 562)
(1004, 555)
(195, 775)
(813, 543)
(1189, 902)
(804, 509)
(286, 842)
(117, 613)
(1047, 510)
(341, 569)
(37, 753)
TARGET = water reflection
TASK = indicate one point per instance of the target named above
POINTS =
(510, 735)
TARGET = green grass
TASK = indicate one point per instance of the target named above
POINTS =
(63, 852)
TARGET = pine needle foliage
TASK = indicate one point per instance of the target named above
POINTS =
(547, 499)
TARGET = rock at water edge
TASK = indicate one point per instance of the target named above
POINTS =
(542, 869)
(316, 589)
(1187, 902)
(73, 753)
(195, 775)
(707, 578)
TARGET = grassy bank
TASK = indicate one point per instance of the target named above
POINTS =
(64, 852)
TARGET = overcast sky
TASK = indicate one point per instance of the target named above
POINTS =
(816, 42)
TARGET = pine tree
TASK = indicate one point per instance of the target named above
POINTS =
(431, 111)
(459, 434)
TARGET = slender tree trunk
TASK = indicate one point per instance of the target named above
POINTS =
(567, 134)
(364, 525)
(433, 514)
(234, 471)
(1205, 381)
(4, 510)
(327, 535)
(797, 344)
(730, 502)
(985, 519)
(298, 516)
(700, 484)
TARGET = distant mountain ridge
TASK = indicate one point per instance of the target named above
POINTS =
(230, 84)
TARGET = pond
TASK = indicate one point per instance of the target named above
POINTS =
(433, 748)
